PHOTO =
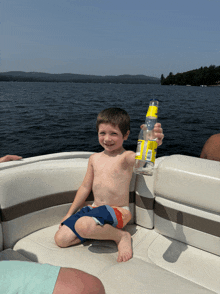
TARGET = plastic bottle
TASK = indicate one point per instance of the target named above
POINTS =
(147, 145)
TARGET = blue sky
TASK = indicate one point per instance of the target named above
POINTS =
(104, 37)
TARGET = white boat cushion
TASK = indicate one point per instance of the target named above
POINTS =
(193, 264)
(139, 275)
(91, 256)
(187, 224)
(28, 182)
(189, 180)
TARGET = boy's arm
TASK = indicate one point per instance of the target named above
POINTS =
(83, 191)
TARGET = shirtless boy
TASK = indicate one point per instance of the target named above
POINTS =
(108, 176)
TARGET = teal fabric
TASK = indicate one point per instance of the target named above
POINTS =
(21, 277)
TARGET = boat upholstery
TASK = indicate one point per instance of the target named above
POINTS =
(175, 227)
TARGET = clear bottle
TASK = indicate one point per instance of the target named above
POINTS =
(147, 145)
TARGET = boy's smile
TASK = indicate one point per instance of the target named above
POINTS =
(111, 138)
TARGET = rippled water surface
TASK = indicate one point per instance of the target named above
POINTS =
(42, 118)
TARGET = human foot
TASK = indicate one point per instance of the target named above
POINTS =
(124, 247)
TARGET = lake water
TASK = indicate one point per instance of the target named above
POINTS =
(42, 118)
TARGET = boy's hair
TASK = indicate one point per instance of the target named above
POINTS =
(116, 117)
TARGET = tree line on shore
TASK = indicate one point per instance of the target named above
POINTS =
(209, 76)
(76, 78)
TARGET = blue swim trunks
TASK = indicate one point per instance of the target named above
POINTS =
(118, 217)
(22, 277)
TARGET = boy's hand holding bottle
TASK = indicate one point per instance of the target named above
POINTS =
(148, 141)
(158, 131)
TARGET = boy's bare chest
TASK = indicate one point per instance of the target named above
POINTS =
(111, 182)
(109, 168)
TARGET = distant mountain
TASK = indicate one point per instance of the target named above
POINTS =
(20, 76)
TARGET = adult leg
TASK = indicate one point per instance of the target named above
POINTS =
(72, 281)
(87, 228)
(65, 237)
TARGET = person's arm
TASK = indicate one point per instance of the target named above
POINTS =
(83, 191)
(9, 158)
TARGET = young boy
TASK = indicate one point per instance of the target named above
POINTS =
(108, 176)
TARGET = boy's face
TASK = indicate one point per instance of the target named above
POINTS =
(110, 137)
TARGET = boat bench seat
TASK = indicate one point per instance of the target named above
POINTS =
(175, 227)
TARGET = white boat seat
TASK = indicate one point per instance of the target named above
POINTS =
(175, 229)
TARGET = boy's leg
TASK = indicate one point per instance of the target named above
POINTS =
(72, 280)
(87, 228)
(65, 237)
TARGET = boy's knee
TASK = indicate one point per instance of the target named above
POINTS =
(59, 240)
(62, 238)
(85, 226)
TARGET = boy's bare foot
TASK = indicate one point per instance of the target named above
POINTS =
(124, 248)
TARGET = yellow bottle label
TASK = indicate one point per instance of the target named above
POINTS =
(152, 111)
(140, 149)
(151, 151)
